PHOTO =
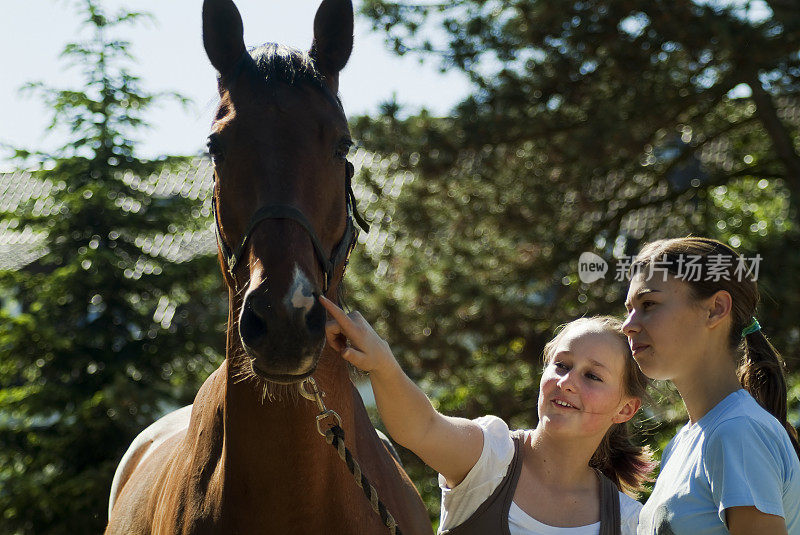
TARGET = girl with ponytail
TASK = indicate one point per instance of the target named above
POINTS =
(734, 467)
(564, 477)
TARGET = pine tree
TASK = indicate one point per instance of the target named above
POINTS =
(99, 336)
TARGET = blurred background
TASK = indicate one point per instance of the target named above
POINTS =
(495, 143)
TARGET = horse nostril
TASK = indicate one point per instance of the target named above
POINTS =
(315, 320)
(259, 305)
(253, 320)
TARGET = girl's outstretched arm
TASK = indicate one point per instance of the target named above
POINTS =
(451, 446)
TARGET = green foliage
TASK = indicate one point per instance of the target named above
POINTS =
(98, 337)
(592, 126)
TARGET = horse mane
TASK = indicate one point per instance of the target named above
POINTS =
(281, 63)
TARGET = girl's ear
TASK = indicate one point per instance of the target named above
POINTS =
(627, 411)
(719, 307)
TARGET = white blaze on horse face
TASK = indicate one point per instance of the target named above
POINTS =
(301, 292)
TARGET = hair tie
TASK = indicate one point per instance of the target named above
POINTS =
(753, 327)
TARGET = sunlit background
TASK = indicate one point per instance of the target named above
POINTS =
(559, 129)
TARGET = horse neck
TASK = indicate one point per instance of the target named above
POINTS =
(273, 460)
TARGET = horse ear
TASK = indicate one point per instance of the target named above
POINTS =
(223, 34)
(333, 36)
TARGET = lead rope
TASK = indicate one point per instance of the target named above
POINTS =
(335, 437)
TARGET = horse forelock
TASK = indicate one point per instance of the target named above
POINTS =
(277, 63)
(285, 64)
(281, 63)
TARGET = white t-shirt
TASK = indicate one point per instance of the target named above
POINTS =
(459, 503)
(736, 455)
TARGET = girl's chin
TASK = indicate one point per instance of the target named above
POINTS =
(651, 369)
(557, 423)
(648, 363)
(564, 428)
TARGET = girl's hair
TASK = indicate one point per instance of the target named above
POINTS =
(625, 462)
(760, 368)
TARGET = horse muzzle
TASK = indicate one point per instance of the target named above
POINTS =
(283, 339)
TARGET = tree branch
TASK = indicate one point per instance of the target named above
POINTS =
(778, 133)
(717, 180)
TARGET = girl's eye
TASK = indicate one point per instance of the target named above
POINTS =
(561, 365)
(647, 304)
(593, 377)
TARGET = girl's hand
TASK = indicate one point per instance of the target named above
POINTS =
(366, 350)
(451, 446)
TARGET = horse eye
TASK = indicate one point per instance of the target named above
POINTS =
(343, 149)
(214, 147)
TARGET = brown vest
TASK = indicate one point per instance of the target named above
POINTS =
(492, 515)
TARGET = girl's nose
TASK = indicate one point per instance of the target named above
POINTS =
(565, 382)
(631, 324)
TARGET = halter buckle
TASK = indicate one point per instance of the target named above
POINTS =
(322, 416)
(315, 395)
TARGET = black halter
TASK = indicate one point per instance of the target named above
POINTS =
(340, 253)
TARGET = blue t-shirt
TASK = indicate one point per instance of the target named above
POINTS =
(736, 455)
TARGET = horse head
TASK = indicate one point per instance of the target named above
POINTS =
(282, 200)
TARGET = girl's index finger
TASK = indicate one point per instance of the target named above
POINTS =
(349, 328)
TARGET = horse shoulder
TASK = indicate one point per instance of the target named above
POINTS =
(133, 509)
(159, 432)
(157, 488)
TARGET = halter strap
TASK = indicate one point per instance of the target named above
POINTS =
(279, 211)
(351, 198)
(340, 253)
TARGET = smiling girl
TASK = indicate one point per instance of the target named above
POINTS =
(562, 477)
(733, 468)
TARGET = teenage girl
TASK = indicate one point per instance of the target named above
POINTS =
(561, 478)
(733, 468)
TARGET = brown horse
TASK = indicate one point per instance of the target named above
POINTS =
(247, 457)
